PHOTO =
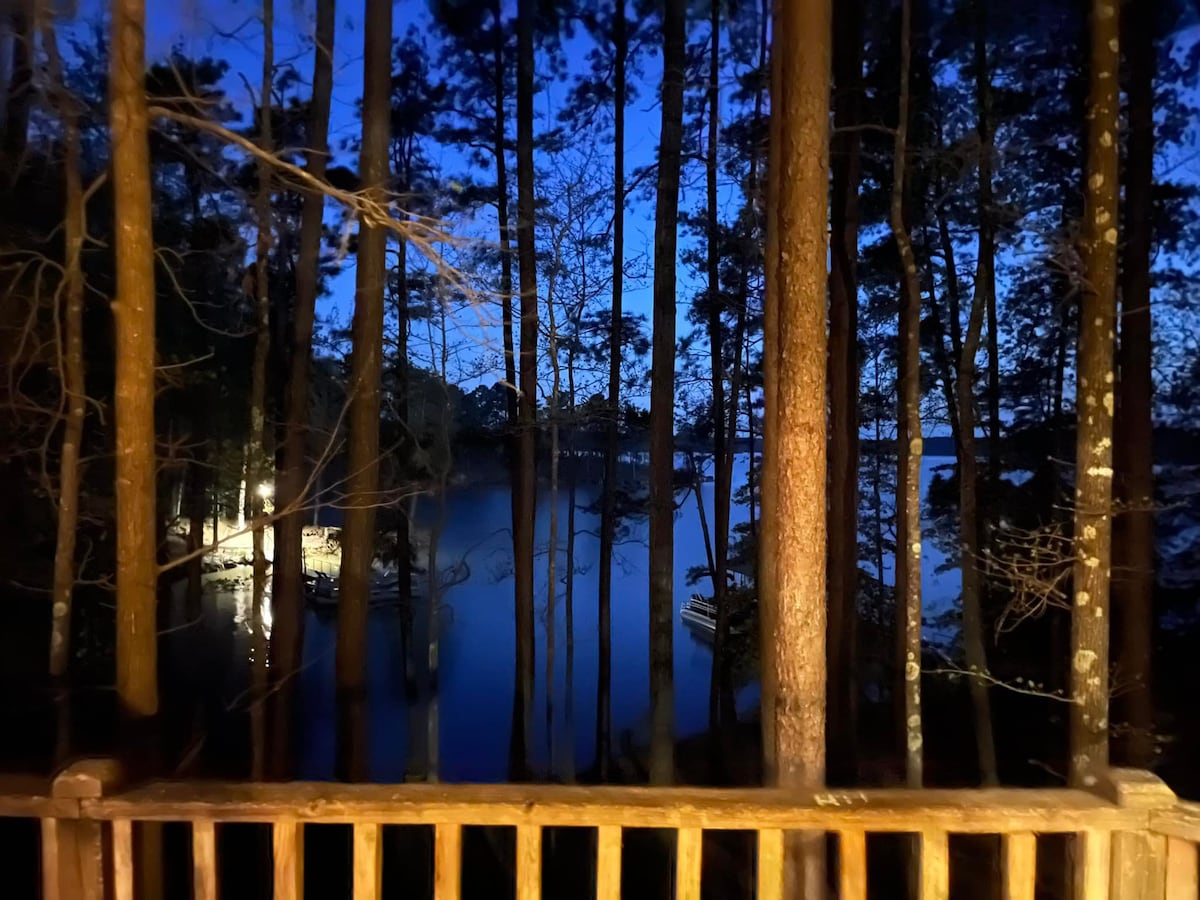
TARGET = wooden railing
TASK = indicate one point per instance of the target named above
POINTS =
(1133, 839)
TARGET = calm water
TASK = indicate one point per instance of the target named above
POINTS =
(477, 643)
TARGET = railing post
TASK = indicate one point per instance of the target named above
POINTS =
(1139, 858)
(73, 849)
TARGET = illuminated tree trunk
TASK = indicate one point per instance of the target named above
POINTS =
(662, 403)
(133, 319)
(525, 494)
(1094, 410)
(611, 428)
(258, 394)
(795, 461)
(1134, 439)
(72, 373)
(362, 482)
(843, 388)
(908, 512)
(287, 596)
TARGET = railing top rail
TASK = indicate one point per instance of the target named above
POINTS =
(1180, 821)
(961, 811)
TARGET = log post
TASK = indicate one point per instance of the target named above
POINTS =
(1139, 858)
(73, 851)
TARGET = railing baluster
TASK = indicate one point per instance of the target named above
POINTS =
(608, 862)
(51, 878)
(1093, 851)
(688, 850)
(204, 860)
(529, 862)
(770, 864)
(1182, 878)
(122, 859)
(368, 861)
(288, 852)
(1020, 865)
(447, 866)
(852, 865)
(935, 865)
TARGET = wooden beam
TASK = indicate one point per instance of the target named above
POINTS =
(852, 868)
(204, 860)
(1020, 865)
(1093, 851)
(368, 862)
(1183, 880)
(935, 865)
(689, 844)
(770, 864)
(122, 859)
(608, 863)
(288, 854)
(989, 811)
(529, 862)
(447, 867)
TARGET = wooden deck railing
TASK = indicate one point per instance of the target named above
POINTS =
(1134, 840)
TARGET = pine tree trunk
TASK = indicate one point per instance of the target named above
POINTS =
(568, 773)
(973, 625)
(525, 495)
(716, 305)
(795, 416)
(362, 482)
(843, 390)
(287, 594)
(133, 316)
(499, 67)
(258, 378)
(908, 512)
(662, 403)
(1094, 409)
(611, 428)
(552, 536)
(1134, 444)
(72, 371)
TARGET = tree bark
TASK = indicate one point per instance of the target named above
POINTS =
(1094, 409)
(525, 494)
(662, 403)
(908, 514)
(362, 482)
(843, 389)
(968, 468)
(72, 371)
(552, 534)
(501, 142)
(796, 420)
(133, 315)
(611, 428)
(1134, 438)
(287, 594)
(258, 378)
(716, 715)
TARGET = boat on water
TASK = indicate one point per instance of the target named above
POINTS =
(321, 591)
(700, 614)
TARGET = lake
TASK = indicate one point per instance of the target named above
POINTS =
(478, 643)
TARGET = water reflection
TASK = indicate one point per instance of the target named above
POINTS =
(476, 643)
